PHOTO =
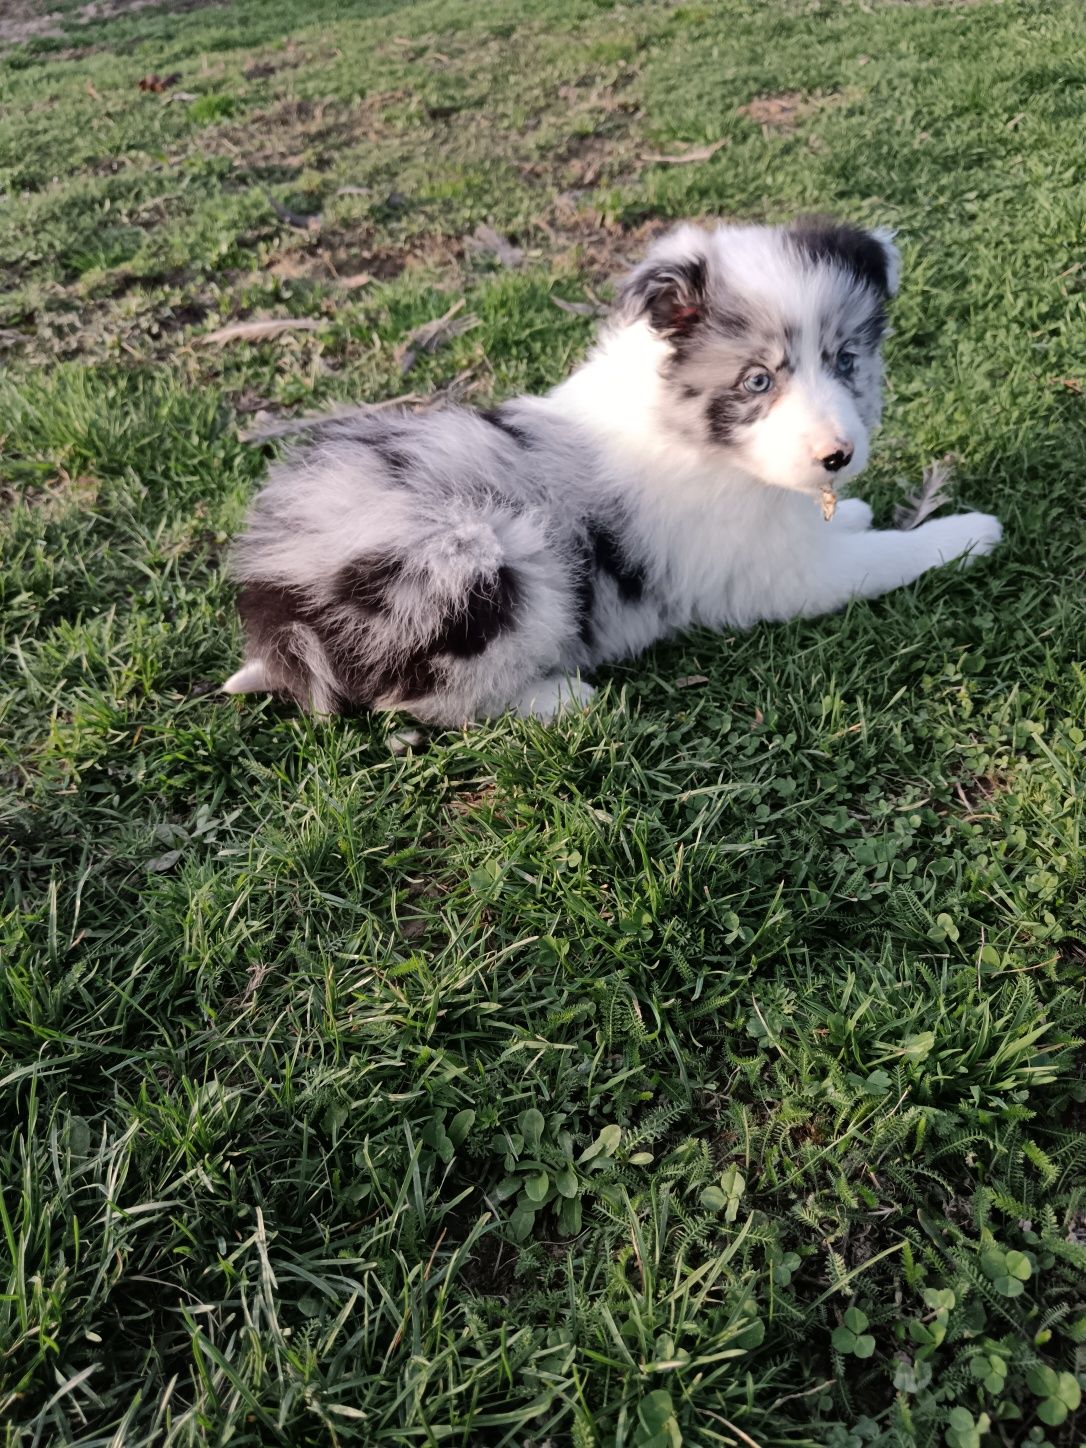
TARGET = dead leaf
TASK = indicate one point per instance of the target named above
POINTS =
(257, 973)
(931, 497)
(689, 681)
(294, 218)
(1073, 384)
(699, 153)
(486, 241)
(161, 863)
(258, 330)
(351, 284)
(292, 266)
(158, 83)
(432, 335)
(92, 92)
(580, 309)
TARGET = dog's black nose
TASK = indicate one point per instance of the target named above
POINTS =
(833, 462)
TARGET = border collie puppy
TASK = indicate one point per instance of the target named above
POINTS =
(455, 564)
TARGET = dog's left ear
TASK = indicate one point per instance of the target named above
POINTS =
(891, 256)
(669, 288)
(870, 256)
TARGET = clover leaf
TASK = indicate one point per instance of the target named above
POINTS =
(1060, 1394)
(851, 1336)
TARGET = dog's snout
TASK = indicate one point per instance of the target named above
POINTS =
(840, 458)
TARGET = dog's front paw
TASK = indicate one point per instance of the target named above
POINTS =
(549, 697)
(853, 516)
(967, 535)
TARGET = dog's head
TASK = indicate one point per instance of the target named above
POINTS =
(772, 343)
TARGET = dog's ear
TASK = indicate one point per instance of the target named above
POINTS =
(870, 256)
(885, 238)
(669, 289)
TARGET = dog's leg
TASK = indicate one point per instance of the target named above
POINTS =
(867, 564)
(548, 697)
(251, 678)
(853, 516)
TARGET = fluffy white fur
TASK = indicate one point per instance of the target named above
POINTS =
(457, 564)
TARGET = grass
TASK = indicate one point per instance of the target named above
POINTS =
(703, 1069)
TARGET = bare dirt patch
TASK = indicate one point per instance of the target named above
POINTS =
(346, 257)
(96, 10)
(783, 114)
(976, 795)
(61, 494)
(24, 22)
(297, 132)
(584, 239)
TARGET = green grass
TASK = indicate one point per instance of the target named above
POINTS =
(703, 1069)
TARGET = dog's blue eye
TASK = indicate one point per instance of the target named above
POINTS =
(758, 382)
(846, 362)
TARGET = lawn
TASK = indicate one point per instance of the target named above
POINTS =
(703, 1069)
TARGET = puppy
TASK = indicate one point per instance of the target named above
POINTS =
(456, 564)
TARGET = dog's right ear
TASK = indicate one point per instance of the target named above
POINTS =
(669, 290)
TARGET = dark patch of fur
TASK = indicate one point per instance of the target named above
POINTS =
(489, 610)
(265, 607)
(731, 409)
(411, 676)
(584, 593)
(365, 582)
(611, 558)
(724, 416)
(495, 419)
(732, 323)
(872, 329)
(397, 464)
(821, 239)
(271, 612)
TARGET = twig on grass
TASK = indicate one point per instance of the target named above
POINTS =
(311, 222)
(258, 329)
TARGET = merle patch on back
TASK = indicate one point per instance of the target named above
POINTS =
(274, 615)
(610, 557)
(397, 463)
(365, 582)
(491, 609)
